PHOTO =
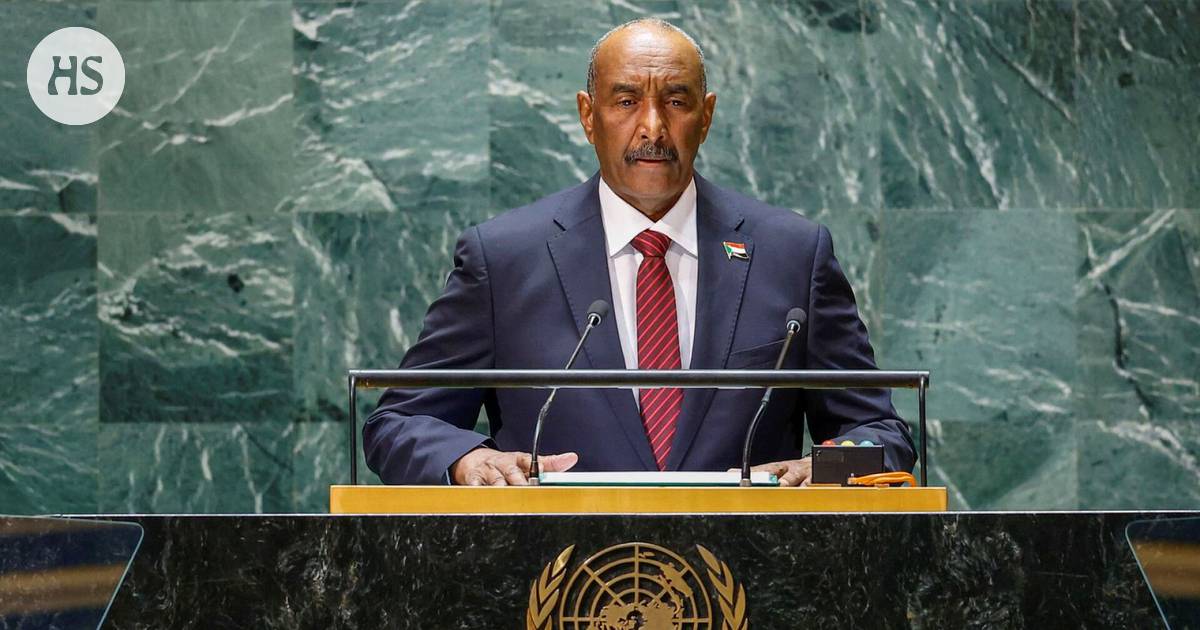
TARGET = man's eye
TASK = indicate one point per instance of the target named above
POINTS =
(625, 102)
(677, 103)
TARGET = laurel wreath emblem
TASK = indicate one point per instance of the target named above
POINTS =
(730, 595)
(544, 593)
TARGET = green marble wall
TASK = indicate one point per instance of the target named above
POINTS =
(1012, 186)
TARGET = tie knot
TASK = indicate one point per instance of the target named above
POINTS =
(651, 243)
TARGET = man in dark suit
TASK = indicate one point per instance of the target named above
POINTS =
(698, 276)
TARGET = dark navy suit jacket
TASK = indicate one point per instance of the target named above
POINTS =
(517, 297)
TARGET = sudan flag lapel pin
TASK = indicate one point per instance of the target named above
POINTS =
(736, 250)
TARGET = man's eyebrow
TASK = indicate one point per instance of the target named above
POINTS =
(678, 88)
(618, 88)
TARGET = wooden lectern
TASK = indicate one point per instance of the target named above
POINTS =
(628, 500)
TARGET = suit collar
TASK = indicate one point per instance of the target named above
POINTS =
(579, 204)
(716, 205)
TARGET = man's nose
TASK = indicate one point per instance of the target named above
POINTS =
(652, 127)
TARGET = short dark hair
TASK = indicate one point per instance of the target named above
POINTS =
(647, 21)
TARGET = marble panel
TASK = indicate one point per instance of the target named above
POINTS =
(205, 123)
(797, 121)
(1139, 464)
(48, 315)
(391, 105)
(1139, 80)
(983, 300)
(1138, 294)
(189, 468)
(977, 103)
(858, 244)
(363, 284)
(320, 457)
(48, 467)
(538, 63)
(196, 318)
(48, 380)
(1005, 466)
(44, 165)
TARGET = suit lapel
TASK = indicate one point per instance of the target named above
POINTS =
(580, 259)
(721, 283)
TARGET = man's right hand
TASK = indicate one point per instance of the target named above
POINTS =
(489, 467)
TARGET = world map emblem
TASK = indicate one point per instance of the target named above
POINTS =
(636, 585)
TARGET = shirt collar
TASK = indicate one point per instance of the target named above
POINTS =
(622, 221)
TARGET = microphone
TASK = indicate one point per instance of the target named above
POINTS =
(796, 318)
(595, 314)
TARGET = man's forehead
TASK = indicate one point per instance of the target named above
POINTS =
(636, 54)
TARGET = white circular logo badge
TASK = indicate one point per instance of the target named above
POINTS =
(75, 75)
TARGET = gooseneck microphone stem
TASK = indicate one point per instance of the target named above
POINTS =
(795, 320)
(596, 313)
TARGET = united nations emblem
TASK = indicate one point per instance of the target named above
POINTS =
(636, 585)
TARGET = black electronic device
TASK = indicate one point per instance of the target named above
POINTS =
(836, 464)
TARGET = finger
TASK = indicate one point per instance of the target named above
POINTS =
(514, 476)
(805, 466)
(793, 476)
(525, 460)
(475, 478)
(560, 462)
(492, 476)
(779, 469)
(799, 474)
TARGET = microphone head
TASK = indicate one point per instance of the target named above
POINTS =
(796, 318)
(599, 309)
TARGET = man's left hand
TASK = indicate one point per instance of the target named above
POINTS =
(792, 472)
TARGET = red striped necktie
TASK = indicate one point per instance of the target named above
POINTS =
(658, 341)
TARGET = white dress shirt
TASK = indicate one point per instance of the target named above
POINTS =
(622, 222)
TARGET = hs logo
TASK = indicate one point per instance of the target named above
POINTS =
(75, 75)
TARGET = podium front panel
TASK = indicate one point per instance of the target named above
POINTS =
(917, 570)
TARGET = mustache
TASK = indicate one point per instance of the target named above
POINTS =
(651, 152)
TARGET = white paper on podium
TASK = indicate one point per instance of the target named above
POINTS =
(654, 478)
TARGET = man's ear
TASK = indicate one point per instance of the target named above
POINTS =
(584, 102)
(710, 105)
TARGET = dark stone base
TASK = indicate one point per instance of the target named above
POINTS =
(953, 570)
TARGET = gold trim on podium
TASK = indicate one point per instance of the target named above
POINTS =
(628, 500)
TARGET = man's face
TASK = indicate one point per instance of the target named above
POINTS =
(648, 117)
